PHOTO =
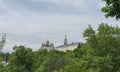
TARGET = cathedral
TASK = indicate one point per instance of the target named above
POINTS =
(49, 46)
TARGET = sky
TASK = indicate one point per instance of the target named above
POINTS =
(31, 22)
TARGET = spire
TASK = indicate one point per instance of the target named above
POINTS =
(65, 37)
(65, 40)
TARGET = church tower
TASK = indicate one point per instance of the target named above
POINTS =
(65, 40)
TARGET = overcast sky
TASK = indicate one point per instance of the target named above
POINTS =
(30, 22)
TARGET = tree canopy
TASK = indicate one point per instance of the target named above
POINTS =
(112, 8)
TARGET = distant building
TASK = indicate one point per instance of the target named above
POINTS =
(49, 46)
(67, 46)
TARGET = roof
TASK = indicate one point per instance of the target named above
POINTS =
(68, 45)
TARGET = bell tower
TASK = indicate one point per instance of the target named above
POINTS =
(65, 40)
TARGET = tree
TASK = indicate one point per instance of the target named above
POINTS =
(48, 61)
(2, 42)
(21, 60)
(102, 49)
(112, 8)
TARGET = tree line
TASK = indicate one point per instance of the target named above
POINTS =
(100, 53)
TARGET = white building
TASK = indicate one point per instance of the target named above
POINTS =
(67, 46)
(49, 46)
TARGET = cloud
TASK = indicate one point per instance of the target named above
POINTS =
(75, 3)
(7, 8)
(30, 22)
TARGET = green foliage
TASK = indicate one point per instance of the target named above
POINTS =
(112, 8)
(104, 48)
(48, 61)
(21, 60)
(1, 56)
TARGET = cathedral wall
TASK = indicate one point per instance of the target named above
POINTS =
(67, 47)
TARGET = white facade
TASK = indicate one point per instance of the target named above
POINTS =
(66, 47)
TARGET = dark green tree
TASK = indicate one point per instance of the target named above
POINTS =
(112, 8)
(49, 61)
(21, 60)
